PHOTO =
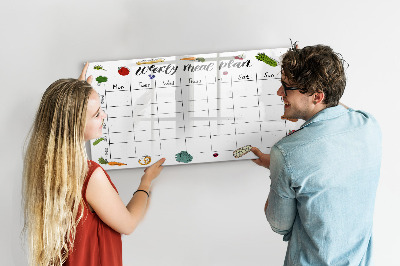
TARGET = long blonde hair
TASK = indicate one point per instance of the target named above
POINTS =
(55, 167)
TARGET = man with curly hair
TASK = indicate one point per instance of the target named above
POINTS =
(324, 176)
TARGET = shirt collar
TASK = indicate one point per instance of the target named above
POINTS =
(326, 114)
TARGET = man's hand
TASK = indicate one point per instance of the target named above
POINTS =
(263, 159)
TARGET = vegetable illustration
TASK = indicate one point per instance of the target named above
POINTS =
(104, 161)
(116, 163)
(264, 58)
(183, 157)
(97, 141)
(152, 61)
(189, 58)
(241, 151)
(101, 79)
(123, 71)
(240, 57)
(99, 67)
(146, 160)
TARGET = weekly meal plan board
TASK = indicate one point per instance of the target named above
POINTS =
(188, 109)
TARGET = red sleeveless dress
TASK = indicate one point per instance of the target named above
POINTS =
(95, 242)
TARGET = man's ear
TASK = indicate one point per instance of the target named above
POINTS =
(318, 97)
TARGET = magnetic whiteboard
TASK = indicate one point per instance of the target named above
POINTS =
(188, 109)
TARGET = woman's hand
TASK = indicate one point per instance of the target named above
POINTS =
(151, 172)
(263, 158)
(83, 74)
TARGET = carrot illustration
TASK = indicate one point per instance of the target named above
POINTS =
(189, 58)
(116, 163)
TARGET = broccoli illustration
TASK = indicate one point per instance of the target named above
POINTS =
(101, 79)
(183, 157)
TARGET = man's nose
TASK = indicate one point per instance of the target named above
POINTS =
(280, 91)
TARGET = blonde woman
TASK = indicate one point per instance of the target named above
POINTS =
(73, 213)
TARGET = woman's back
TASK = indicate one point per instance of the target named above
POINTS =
(95, 242)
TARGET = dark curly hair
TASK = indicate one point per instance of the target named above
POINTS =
(316, 69)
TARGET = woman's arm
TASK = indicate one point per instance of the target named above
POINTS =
(108, 205)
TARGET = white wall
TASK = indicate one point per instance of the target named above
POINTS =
(204, 214)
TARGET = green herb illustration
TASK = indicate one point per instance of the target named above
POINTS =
(99, 67)
(103, 161)
(183, 157)
(264, 58)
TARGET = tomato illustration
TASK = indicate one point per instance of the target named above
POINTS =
(123, 71)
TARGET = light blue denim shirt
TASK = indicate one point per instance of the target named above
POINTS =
(323, 183)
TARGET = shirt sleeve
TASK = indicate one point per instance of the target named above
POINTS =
(281, 210)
